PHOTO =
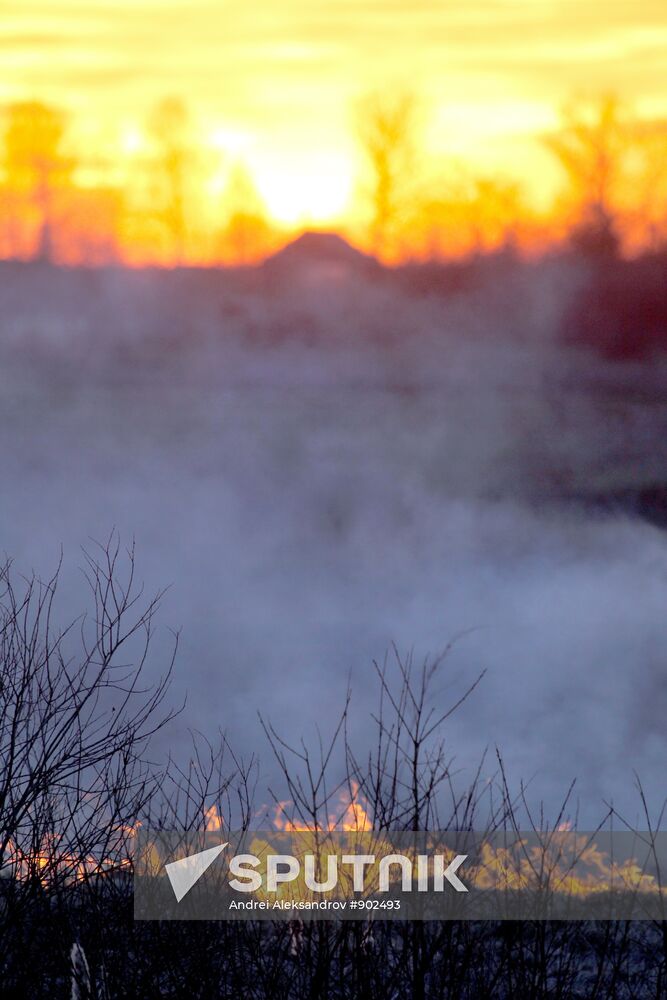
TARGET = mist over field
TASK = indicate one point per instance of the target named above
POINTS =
(320, 460)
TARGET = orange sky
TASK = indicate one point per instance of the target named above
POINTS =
(272, 82)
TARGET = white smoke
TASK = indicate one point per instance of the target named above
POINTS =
(320, 473)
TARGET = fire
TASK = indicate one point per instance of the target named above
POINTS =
(349, 814)
(213, 819)
(52, 861)
(355, 818)
(285, 825)
(567, 864)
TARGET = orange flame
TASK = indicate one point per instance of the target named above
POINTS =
(349, 814)
(213, 819)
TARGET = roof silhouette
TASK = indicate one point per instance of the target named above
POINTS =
(314, 248)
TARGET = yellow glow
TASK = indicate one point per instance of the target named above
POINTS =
(300, 190)
(272, 85)
(131, 139)
(228, 140)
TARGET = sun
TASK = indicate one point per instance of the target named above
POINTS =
(298, 189)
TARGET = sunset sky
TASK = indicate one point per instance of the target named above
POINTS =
(273, 82)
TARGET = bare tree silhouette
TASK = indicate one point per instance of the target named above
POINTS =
(592, 146)
(169, 126)
(37, 168)
(76, 720)
(246, 233)
(387, 132)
